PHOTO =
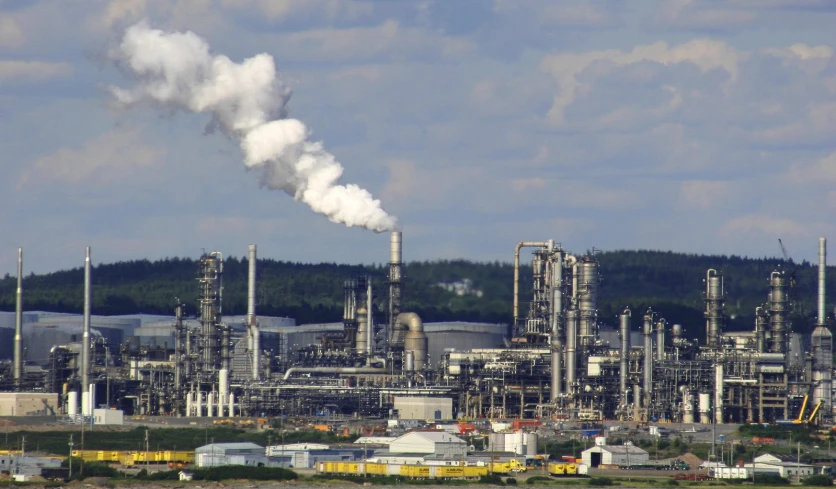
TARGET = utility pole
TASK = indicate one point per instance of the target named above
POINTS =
(146, 449)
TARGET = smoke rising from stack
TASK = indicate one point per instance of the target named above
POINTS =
(247, 102)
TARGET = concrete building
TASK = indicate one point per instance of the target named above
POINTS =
(620, 455)
(436, 408)
(440, 444)
(784, 466)
(113, 417)
(28, 404)
(22, 467)
(218, 454)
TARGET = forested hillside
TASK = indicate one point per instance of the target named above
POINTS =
(669, 282)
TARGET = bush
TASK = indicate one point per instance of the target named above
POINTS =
(511, 481)
(599, 481)
(537, 478)
(771, 480)
(818, 480)
(228, 472)
(165, 475)
(491, 479)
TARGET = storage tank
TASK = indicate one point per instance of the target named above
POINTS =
(531, 445)
(705, 407)
(72, 404)
(496, 442)
(687, 407)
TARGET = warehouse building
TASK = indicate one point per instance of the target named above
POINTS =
(435, 408)
(616, 455)
(782, 465)
(28, 404)
(218, 454)
(436, 443)
(306, 455)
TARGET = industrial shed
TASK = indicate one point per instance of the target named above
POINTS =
(437, 408)
(438, 443)
(218, 454)
(307, 455)
(624, 455)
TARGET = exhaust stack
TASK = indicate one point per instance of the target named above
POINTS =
(255, 333)
(85, 337)
(18, 354)
(395, 287)
(822, 315)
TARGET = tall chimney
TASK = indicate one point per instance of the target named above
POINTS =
(370, 349)
(85, 337)
(18, 354)
(395, 284)
(251, 319)
(822, 315)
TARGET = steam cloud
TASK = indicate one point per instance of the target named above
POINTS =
(247, 102)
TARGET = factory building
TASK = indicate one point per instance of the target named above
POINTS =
(28, 404)
(306, 455)
(218, 454)
(438, 443)
(427, 408)
(614, 455)
(787, 467)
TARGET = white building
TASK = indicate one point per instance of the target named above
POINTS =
(437, 443)
(436, 408)
(622, 455)
(108, 416)
(782, 466)
(218, 454)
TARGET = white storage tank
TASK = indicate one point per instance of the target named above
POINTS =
(531, 445)
(496, 442)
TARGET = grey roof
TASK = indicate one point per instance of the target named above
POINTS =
(229, 446)
(621, 449)
(435, 436)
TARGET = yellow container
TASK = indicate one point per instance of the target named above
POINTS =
(415, 471)
(449, 472)
(475, 471)
(375, 469)
(557, 469)
(571, 469)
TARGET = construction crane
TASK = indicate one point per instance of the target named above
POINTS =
(812, 417)
(800, 418)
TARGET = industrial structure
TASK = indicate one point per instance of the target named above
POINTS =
(556, 363)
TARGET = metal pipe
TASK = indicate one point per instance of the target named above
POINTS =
(18, 353)
(822, 314)
(520, 245)
(255, 333)
(648, 358)
(624, 331)
(370, 346)
(334, 370)
(556, 314)
(85, 336)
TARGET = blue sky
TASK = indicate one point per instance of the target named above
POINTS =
(701, 126)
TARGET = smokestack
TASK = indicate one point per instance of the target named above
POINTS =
(822, 315)
(255, 334)
(85, 337)
(648, 361)
(624, 330)
(395, 285)
(18, 354)
(556, 312)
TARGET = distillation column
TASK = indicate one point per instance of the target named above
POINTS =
(822, 342)
(85, 337)
(556, 316)
(252, 322)
(587, 294)
(18, 352)
(778, 310)
(714, 316)
(648, 361)
(624, 367)
(571, 349)
(660, 339)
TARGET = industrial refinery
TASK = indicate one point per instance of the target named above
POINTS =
(562, 360)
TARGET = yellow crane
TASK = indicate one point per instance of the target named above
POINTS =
(812, 417)
(800, 418)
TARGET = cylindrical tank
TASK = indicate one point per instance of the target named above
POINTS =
(72, 404)
(714, 315)
(416, 339)
(687, 407)
(496, 442)
(198, 404)
(92, 398)
(409, 361)
(531, 440)
(85, 403)
(705, 407)
(189, 404)
(587, 293)
(519, 442)
(231, 404)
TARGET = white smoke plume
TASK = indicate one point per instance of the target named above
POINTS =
(247, 101)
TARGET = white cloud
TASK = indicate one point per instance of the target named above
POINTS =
(32, 70)
(389, 39)
(820, 172)
(110, 157)
(752, 226)
(11, 34)
(704, 194)
(706, 54)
